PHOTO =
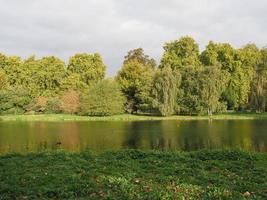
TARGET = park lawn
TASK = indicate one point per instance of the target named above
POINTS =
(128, 117)
(135, 174)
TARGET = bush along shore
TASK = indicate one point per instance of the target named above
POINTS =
(135, 174)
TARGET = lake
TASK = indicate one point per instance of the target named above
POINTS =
(24, 137)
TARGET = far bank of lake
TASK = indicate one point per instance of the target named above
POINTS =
(129, 117)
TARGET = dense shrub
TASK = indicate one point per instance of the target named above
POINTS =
(47, 105)
(14, 101)
(53, 105)
(104, 98)
(39, 104)
(70, 102)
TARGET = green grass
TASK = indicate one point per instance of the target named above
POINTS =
(134, 174)
(128, 117)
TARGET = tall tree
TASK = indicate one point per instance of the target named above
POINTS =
(31, 70)
(209, 57)
(181, 53)
(212, 83)
(51, 72)
(165, 90)
(234, 63)
(136, 79)
(188, 98)
(258, 97)
(73, 81)
(12, 67)
(3, 79)
(14, 100)
(103, 98)
(139, 56)
(90, 67)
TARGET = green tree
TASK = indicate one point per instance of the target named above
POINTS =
(14, 101)
(219, 54)
(139, 56)
(136, 80)
(249, 55)
(188, 97)
(181, 53)
(31, 70)
(53, 105)
(51, 72)
(3, 79)
(212, 83)
(73, 81)
(238, 64)
(258, 97)
(39, 77)
(238, 87)
(165, 89)
(103, 98)
(89, 66)
(209, 57)
(12, 67)
(3, 61)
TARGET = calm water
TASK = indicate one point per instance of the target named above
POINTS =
(26, 137)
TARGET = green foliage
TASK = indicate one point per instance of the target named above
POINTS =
(139, 56)
(53, 105)
(165, 89)
(136, 79)
(89, 66)
(3, 79)
(219, 54)
(46, 78)
(39, 77)
(73, 81)
(201, 90)
(237, 80)
(181, 53)
(239, 64)
(188, 97)
(238, 88)
(51, 72)
(14, 101)
(12, 66)
(102, 99)
(212, 83)
(258, 96)
(47, 105)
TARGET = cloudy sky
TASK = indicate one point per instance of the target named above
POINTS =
(112, 27)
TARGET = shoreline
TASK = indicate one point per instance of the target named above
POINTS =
(129, 117)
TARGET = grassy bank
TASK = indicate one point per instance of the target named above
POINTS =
(128, 117)
(132, 174)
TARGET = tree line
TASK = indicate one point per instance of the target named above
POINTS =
(186, 81)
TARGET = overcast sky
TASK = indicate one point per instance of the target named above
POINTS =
(113, 27)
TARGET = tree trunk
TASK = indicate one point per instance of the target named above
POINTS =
(209, 112)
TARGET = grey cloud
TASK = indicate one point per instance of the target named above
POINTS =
(112, 27)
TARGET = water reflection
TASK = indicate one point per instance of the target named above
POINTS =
(26, 137)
